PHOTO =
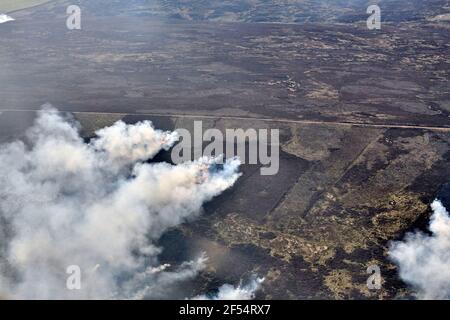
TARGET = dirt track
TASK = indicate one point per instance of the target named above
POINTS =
(369, 125)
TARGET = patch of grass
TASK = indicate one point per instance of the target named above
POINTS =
(13, 5)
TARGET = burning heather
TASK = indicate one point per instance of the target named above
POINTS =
(98, 206)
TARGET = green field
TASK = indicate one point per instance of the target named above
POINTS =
(13, 5)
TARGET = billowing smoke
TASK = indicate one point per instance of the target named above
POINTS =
(5, 18)
(98, 206)
(241, 292)
(424, 260)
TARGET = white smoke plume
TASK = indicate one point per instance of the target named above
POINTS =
(96, 205)
(424, 260)
(5, 18)
(229, 292)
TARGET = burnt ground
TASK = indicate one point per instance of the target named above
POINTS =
(323, 72)
(364, 117)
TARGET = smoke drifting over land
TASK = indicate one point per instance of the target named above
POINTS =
(424, 260)
(5, 18)
(96, 205)
(241, 292)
